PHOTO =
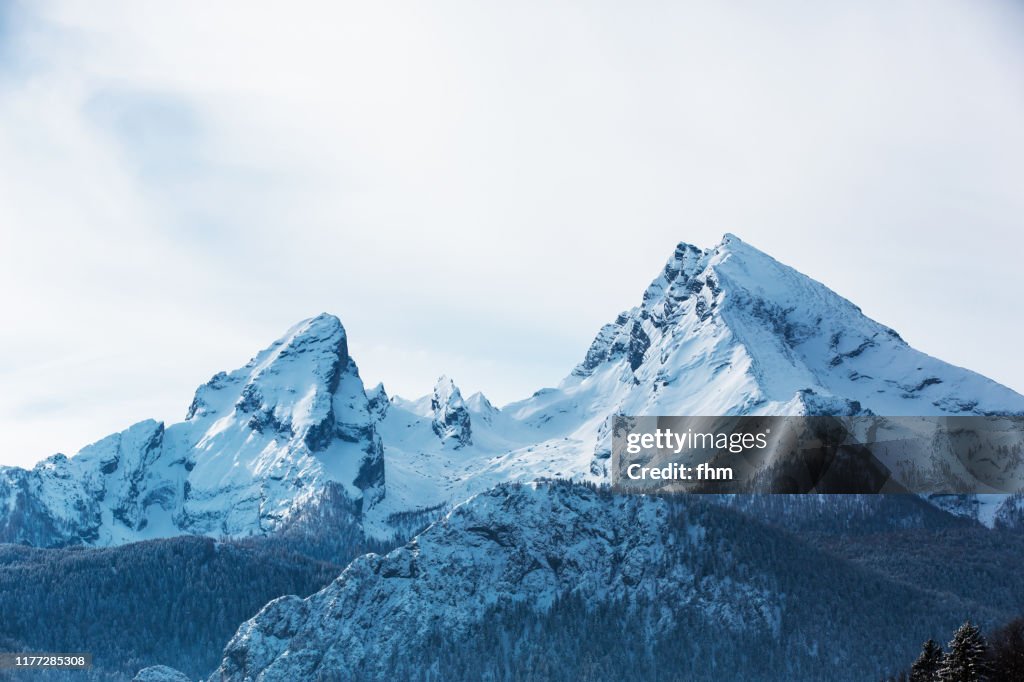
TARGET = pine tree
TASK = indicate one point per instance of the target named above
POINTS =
(926, 667)
(966, 659)
(1008, 652)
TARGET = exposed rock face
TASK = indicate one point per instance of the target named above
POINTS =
(451, 418)
(378, 402)
(160, 673)
(257, 444)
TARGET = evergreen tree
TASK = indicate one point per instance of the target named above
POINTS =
(966, 660)
(926, 667)
(1008, 652)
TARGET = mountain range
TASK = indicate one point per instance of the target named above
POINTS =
(503, 510)
(726, 330)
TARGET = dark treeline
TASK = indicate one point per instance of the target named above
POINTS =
(173, 601)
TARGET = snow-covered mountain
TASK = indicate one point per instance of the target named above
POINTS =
(721, 331)
(257, 444)
(731, 331)
(726, 330)
(451, 418)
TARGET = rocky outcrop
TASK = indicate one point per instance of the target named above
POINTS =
(673, 572)
(160, 673)
(378, 402)
(517, 544)
(451, 420)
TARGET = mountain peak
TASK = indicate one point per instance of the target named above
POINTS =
(445, 384)
(278, 429)
(480, 406)
(730, 239)
(687, 256)
(299, 370)
(732, 321)
(478, 402)
(324, 331)
(259, 444)
(451, 420)
(378, 402)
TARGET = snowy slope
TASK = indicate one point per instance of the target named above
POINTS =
(430, 468)
(257, 444)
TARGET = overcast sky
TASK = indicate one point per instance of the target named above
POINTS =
(475, 187)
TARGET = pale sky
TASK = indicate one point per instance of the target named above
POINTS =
(474, 188)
